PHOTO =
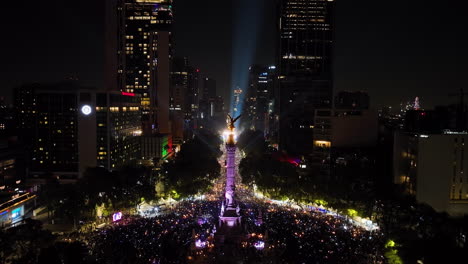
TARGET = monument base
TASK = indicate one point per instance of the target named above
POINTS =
(230, 227)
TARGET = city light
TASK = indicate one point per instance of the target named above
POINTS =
(190, 192)
(86, 109)
(227, 133)
(259, 245)
(200, 244)
(15, 213)
(128, 94)
(117, 216)
(322, 143)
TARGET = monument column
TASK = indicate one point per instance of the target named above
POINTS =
(229, 215)
(230, 225)
(230, 170)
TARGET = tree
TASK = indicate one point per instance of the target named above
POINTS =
(50, 194)
(278, 179)
(192, 170)
(252, 142)
(72, 204)
(136, 183)
(24, 242)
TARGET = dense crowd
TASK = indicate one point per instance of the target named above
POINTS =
(299, 236)
(161, 239)
(289, 236)
(273, 233)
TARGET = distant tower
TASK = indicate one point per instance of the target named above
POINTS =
(237, 100)
(416, 104)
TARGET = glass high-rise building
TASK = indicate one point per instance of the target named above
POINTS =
(259, 99)
(306, 37)
(305, 69)
(139, 52)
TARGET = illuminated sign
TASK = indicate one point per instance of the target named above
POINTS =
(322, 143)
(259, 245)
(128, 94)
(116, 217)
(16, 213)
(150, 1)
(86, 109)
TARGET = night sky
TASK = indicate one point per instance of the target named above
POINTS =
(395, 50)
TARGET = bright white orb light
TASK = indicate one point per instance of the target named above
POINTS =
(86, 109)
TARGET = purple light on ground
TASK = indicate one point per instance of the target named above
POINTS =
(200, 244)
(116, 217)
(259, 245)
(201, 220)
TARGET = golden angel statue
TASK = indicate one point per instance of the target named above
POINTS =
(230, 121)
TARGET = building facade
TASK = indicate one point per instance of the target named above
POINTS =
(305, 68)
(178, 96)
(431, 167)
(72, 128)
(259, 102)
(118, 128)
(139, 51)
(352, 100)
(335, 130)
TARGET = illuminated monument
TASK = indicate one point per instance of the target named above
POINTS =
(230, 219)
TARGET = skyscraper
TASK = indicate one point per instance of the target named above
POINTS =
(209, 88)
(306, 37)
(237, 101)
(139, 50)
(207, 102)
(259, 100)
(178, 97)
(305, 61)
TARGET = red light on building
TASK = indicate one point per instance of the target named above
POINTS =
(198, 70)
(423, 113)
(128, 94)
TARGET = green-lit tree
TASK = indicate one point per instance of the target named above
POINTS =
(192, 170)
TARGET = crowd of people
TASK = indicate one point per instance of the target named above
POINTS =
(305, 236)
(162, 239)
(272, 233)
